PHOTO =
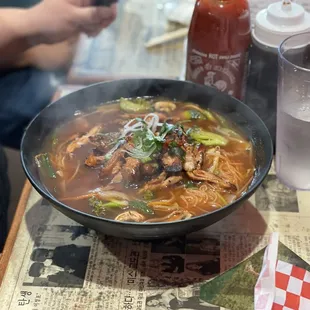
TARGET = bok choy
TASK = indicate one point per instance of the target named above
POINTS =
(207, 138)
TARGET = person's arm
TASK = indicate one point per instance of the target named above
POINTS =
(49, 57)
(16, 35)
(49, 22)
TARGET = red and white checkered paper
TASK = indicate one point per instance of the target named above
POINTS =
(281, 286)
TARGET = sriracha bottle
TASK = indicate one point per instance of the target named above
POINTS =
(217, 47)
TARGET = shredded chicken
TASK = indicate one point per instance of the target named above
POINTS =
(93, 161)
(102, 141)
(78, 142)
(165, 106)
(193, 159)
(149, 169)
(118, 178)
(117, 168)
(153, 184)
(160, 182)
(171, 181)
(101, 194)
(131, 170)
(189, 161)
(198, 158)
(215, 153)
(171, 163)
(201, 175)
(130, 216)
(115, 161)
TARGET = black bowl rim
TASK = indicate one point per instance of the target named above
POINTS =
(55, 201)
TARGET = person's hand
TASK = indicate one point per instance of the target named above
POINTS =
(54, 21)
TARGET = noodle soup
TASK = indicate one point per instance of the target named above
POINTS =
(147, 160)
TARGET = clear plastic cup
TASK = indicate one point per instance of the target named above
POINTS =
(293, 112)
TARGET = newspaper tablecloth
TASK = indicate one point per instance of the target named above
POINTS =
(58, 264)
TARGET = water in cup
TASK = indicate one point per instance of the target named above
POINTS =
(293, 145)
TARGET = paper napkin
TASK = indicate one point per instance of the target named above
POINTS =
(281, 285)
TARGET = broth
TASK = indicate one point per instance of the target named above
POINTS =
(147, 160)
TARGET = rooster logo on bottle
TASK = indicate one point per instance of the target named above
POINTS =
(209, 81)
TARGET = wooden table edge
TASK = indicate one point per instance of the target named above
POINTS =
(10, 241)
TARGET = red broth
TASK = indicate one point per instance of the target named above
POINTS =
(181, 162)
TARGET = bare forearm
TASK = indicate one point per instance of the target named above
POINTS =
(16, 35)
(25, 31)
(49, 57)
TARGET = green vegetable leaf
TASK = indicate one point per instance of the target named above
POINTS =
(115, 204)
(196, 115)
(165, 129)
(96, 205)
(99, 206)
(148, 195)
(145, 144)
(141, 206)
(146, 160)
(173, 144)
(43, 162)
(208, 115)
(141, 154)
(137, 105)
(190, 184)
(192, 114)
(204, 112)
(188, 131)
(207, 138)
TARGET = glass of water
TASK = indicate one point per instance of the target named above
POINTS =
(293, 113)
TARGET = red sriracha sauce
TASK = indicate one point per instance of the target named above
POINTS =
(218, 42)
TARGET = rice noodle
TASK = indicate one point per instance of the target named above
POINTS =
(151, 120)
(75, 172)
(60, 173)
(165, 208)
(231, 171)
(101, 194)
(163, 202)
(196, 199)
(245, 186)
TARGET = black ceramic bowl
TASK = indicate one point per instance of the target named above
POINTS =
(63, 109)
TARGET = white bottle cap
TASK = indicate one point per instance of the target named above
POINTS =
(279, 21)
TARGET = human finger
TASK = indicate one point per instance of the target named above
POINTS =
(94, 30)
(94, 15)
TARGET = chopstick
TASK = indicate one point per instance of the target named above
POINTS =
(167, 37)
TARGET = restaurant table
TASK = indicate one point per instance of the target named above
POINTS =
(122, 274)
